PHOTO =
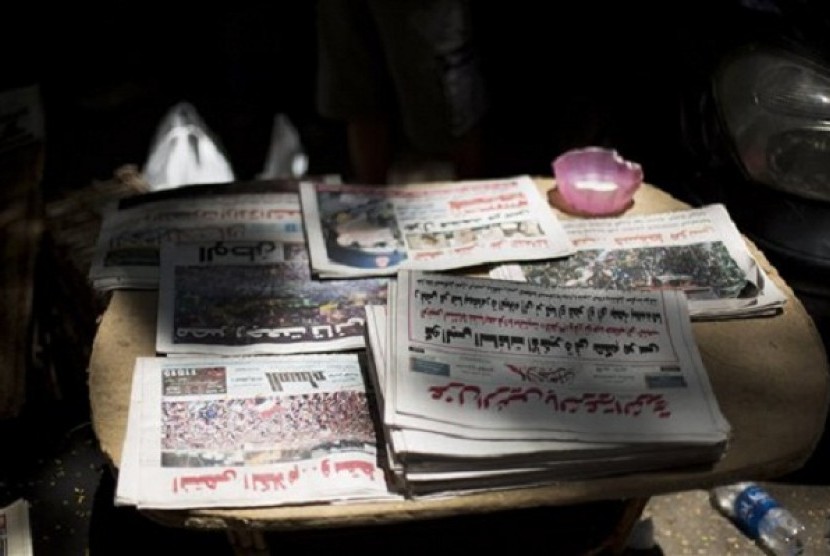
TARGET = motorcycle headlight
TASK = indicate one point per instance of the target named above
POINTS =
(776, 108)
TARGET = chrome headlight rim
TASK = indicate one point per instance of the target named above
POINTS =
(778, 130)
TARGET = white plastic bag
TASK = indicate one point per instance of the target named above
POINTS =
(184, 152)
(286, 157)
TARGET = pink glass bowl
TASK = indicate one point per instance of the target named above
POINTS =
(596, 181)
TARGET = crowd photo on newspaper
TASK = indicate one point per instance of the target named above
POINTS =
(330, 343)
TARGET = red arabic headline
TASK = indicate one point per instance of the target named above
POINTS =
(264, 481)
(589, 402)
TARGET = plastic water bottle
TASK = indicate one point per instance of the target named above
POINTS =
(760, 517)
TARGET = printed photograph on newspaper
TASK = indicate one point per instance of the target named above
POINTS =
(256, 296)
(698, 251)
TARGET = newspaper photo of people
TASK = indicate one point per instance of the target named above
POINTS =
(365, 236)
(280, 296)
(698, 251)
(432, 235)
(256, 297)
(263, 430)
(703, 270)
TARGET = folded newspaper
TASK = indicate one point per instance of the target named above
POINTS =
(698, 251)
(360, 230)
(484, 383)
(132, 231)
(250, 431)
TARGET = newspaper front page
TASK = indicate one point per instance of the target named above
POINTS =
(698, 251)
(127, 251)
(422, 449)
(485, 384)
(358, 230)
(489, 359)
(249, 431)
(256, 296)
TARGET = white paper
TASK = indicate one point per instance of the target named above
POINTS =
(698, 251)
(358, 230)
(251, 431)
(475, 376)
(504, 360)
(127, 251)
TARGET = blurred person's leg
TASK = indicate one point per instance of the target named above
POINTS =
(411, 63)
(370, 148)
(434, 64)
(353, 85)
(467, 154)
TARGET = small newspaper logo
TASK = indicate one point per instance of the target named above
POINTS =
(277, 378)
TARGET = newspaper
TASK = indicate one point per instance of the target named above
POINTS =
(358, 230)
(477, 373)
(15, 533)
(249, 431)
(427, 456)
(698, 251)
(127, 250)
(256, 296)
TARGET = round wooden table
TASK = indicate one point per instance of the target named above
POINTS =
(770, 375)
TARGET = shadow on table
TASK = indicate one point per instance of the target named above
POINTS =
(580, 529)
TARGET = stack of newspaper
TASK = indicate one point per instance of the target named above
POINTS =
(484, 383)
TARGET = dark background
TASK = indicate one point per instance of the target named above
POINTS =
(563, 75)
(558, 77)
